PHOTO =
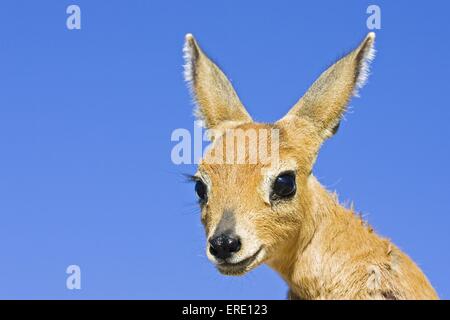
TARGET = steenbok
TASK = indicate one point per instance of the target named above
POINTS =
(276, 212)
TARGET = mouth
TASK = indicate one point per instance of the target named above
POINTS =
(242, 266)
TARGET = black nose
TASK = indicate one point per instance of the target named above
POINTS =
(223, 246)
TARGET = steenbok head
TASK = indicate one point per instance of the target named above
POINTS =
(251, 208)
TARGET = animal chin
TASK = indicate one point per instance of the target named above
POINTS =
(243, 266)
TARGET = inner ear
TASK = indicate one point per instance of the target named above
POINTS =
(326, 100)
(216, 100)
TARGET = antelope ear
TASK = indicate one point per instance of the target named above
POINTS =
(217, 103)
(326, 100)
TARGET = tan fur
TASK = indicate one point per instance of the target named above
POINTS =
(321, 249)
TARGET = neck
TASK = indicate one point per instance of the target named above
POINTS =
(309, 261)
(335, 255)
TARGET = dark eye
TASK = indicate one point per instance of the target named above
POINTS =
(201, 190)
(284, 186)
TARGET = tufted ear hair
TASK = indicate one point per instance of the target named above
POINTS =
(326, 100)
(217, 103)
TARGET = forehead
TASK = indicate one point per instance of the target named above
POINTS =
(291, 145)
(247, 148)
(231, 142)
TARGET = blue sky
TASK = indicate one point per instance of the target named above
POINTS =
(86, 118)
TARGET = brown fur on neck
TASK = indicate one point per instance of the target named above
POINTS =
(341, 250)
(320, 248)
